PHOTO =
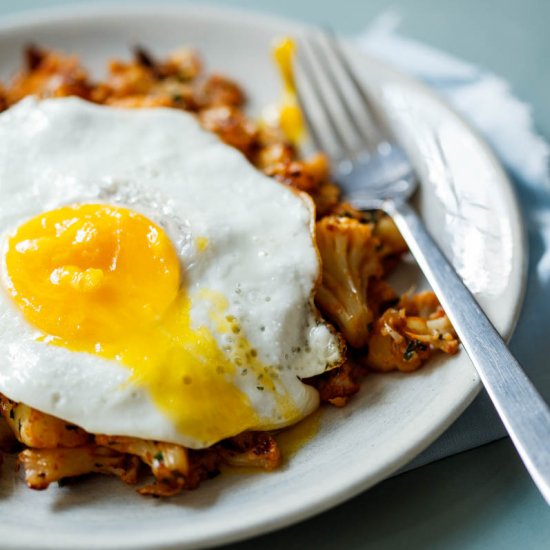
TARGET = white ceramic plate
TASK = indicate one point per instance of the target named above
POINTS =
(466, 201)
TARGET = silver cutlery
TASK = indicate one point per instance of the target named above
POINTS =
(374, 172)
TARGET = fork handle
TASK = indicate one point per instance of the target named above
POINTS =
(521, 408)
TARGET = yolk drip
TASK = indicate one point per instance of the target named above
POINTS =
(292, 440)
(290, 115)
(106, 280)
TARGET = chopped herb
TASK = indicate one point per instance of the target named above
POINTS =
(159, 456)
(261, 388)
(412, 347)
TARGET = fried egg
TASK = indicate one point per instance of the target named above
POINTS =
(154, 284)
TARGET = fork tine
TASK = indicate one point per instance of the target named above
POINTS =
(310, 76)
(342, 106)
(370, 111)
(332, 66)
(315, 135)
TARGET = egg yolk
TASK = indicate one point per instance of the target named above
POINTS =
(86, 274)
(106, 280)
(290, 115)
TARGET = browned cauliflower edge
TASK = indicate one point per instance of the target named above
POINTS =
(347, 248)
(405, 337)
(58, 451)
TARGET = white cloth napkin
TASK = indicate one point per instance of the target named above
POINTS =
(487, 102)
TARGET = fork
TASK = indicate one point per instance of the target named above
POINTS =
(374, 172)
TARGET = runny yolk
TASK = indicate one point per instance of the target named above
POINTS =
(290, 115)
(106, 280)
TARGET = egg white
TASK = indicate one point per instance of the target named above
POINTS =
(260, 254)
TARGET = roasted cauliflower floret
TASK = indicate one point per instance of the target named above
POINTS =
(219, 90)
(428, 323)
(305, 175)
(44, 466)
(252, 450)
(404, 338)
(132, 86)
(348, 252)
(325, 197)
(391, 243)
(139, 101)
(39, 430)
(146, 82)
(127, 79)
(311, 175)
(169, 463)
(48, 74)
(182, 64)
(338, 385)
(231, 126)
(277, 158)
(269, 156)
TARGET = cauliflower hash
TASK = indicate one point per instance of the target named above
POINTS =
(383, 331)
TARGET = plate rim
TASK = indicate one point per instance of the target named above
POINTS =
(65, 13)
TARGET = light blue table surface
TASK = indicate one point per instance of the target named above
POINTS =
(481, 498)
